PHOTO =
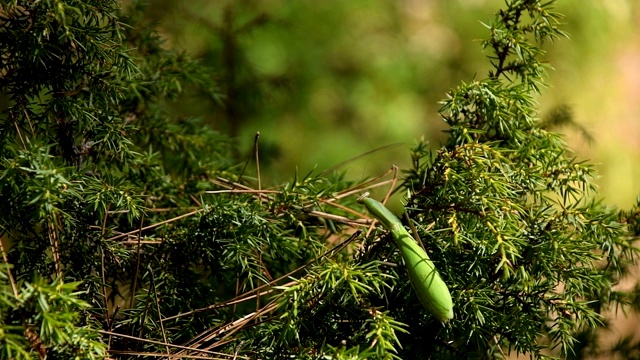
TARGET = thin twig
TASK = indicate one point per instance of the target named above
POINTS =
(195, 200)
(393, 180)
(102, 269)
(414, 231)
(14, 287)
(372, 226)
(231, 185)
(329, 201)
(164, 343)
(231, 188)
(237, 325)
(104, 220)
(113, 317)
(244, 168)
(255, 150)
(104, 286)
(53, 239)
(141, 242)
(26, 114)
(243, 191)
(267, 275)
(145, 313)
(156, 209)
(230, 328)
(359, 189)
(154, 225)
(248, 295)
(233, 309)
(115, 312)
(220, 181)
(342, 219)
(393, 184)
(155, 294)
(237, 300)
(345, 208)
(135, 276)
(316, 213)
(24, 145)
(358, 157)
(143, 353)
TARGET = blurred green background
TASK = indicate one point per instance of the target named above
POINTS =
(326, 81)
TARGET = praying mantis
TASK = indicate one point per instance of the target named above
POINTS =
(427, 283)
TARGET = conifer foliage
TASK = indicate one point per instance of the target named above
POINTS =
(533, 255)
(130, 232)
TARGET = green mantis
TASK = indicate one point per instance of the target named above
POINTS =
(431, 290)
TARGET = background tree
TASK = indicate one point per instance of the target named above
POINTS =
(369, 72)
(129, 229)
